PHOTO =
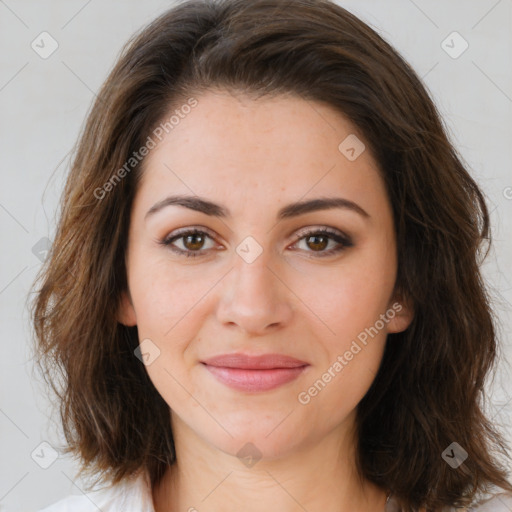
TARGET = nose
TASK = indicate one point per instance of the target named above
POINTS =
(254, 298)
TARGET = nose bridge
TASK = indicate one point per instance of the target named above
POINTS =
(253, 297)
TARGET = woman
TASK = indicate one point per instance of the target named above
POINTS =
(264, 292)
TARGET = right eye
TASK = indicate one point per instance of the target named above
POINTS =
(191, 240)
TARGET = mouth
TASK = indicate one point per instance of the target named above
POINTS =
(254, 373)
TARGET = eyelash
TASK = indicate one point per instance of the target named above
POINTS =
(343, 240)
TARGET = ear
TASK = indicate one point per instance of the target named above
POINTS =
(125, 311)
(400, 312)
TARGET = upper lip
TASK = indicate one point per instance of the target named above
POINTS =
(254, 362)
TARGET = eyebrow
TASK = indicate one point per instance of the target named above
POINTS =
(202, 205)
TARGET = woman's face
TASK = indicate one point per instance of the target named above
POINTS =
(261, 278)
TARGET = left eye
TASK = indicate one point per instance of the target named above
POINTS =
(193, 242)
(319, 240)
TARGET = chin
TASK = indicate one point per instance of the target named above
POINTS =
(260, 438)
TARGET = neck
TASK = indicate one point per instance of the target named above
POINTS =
(317, 477)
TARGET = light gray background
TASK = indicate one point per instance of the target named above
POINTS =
(44, 103)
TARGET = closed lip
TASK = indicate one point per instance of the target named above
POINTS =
(254, 362)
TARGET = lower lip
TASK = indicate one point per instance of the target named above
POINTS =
(254, 380)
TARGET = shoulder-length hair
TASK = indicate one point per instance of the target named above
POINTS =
(429, 390)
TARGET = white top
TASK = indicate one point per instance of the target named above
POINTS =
(134, 495)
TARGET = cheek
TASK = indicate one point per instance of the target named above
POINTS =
(356, 296)
(348, 387)
(353, 354)
(166, 297)
(355, 308)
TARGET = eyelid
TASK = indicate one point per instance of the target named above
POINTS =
(320, 228)
(187, 229)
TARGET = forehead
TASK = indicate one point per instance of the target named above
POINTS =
(236, 147)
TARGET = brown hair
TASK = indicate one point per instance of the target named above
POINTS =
(430, 386)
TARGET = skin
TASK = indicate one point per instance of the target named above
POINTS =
(254, 157)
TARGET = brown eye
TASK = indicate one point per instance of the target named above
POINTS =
(317, 242)
(189, 243)
(194, 241)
